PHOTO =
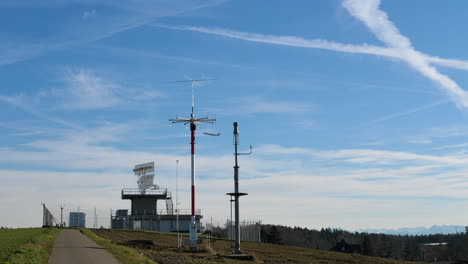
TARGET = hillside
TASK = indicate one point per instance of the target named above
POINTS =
(165, 251)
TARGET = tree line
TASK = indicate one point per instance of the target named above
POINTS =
(418, 247)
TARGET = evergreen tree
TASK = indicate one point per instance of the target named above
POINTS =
(410, 250)
(274, 235)
(366, 246)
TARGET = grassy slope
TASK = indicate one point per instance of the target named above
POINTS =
(26, 245)
(123, 254)
(166, 253)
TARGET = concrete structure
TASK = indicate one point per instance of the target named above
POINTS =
(77, 219)
(144, 213)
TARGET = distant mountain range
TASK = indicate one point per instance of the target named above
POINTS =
(444, 229)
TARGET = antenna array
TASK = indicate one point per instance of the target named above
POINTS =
(193, 241)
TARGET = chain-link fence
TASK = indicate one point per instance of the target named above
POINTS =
(48, 219)
(249, 230)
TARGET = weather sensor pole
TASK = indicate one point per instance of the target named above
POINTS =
(236, 192)
(193, 126)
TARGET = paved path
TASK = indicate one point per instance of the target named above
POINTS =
(72, 247)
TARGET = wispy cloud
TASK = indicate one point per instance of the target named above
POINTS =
(462, 145)
(23, 104)
(367, 156)
(441, 134)
(297, 173)
(88, 14)
(261, 105)
(301, 180)
(86, 90)
(373, 143)
(417, 140)
(73, 32)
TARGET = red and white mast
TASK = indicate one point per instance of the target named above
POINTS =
(193, 127)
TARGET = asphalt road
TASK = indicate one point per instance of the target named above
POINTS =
(72, 247)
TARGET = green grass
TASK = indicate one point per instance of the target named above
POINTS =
(123, 254)
(26, 245)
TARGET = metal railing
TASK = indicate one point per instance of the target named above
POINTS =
(166, 212)
(181, 212)
(135, 191)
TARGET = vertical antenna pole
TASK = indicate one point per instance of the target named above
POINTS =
(193, 97)
(193, 241)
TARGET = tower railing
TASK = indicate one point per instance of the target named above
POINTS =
(136, 191)
(166, 212)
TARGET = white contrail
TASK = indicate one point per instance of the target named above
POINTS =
(378, 22)
(399, 46)
(294, 41)
(407, 112)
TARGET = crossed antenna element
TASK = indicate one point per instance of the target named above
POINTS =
(193, 81)
(192, 118)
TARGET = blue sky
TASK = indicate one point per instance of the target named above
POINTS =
(356, 109)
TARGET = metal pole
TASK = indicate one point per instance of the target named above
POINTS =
(193, 241)
(61, 216)
(211, 229)
(177, 203)
(236, 190)
(43, 215)
(193, 226)
(95, 218)
(231, 231)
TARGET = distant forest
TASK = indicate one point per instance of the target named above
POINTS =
(452, 247)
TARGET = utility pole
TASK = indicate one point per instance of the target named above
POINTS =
(193, 241)
(177, 204)
(95, 218)
(236, 192)
(61, 215)
(110, 218)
